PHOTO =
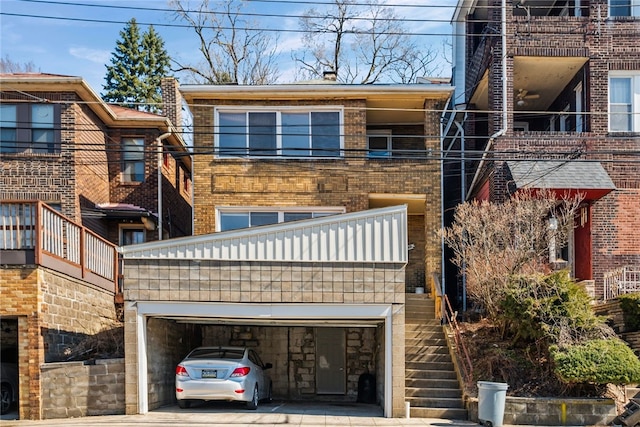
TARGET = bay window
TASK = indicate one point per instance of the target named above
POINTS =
(284, 133)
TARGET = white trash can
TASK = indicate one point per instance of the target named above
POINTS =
(491, 400)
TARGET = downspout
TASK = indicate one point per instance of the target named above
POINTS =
(159, 152)
(503, 37)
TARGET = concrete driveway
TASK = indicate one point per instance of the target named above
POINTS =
(275, 414)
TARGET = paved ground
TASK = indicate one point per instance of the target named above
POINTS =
(275, 414)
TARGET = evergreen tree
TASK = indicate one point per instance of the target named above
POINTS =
(157, 63)
(137, 67)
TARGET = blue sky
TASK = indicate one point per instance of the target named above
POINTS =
(77, 40)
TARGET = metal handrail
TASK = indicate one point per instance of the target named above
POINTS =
(448, 316)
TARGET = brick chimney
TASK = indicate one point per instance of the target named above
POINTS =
(172, 101)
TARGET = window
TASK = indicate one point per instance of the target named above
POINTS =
(380, 143)
(624, 8)
(235, 218)
(29, 128)
(286, 133)
(624, 103)
(133, 160)
(131, 236)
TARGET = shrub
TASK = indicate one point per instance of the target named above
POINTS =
(597, 361)
(550, 306)
(630, 305)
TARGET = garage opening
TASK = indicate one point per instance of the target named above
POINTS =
(314, 360)
(9, 379)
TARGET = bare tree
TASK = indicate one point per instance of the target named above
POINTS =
(232, 52)
(7, 65)
(361, 45)
(492, 242)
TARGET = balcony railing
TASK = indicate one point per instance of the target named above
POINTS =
(624, 280)
(57, 243)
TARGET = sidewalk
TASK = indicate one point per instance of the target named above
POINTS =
(276, 414)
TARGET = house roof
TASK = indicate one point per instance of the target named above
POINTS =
(585, 177)
(384, 101)
(111, 115)
(374, 235)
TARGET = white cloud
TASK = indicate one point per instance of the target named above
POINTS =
(93, 55)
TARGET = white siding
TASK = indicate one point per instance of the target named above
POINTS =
(376, 235)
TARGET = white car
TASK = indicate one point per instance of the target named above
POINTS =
(223, 373)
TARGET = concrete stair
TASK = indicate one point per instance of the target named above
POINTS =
(431, 384)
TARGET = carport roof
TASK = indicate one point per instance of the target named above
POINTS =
(374, 235)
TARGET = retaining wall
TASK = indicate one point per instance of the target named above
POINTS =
(75, 389)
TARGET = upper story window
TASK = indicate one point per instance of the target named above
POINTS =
(133, 159)
(624, 8)
(235, 218)
(624, 102)
(29, 128)
(284, 133)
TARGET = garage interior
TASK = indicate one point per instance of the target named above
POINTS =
(314, 360)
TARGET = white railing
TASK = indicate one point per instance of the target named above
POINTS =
(624, 280)
(58, 242)
(17, 225)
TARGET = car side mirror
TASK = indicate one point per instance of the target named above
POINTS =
(268, 366)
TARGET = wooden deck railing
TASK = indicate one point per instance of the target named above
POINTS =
(447, 316)
(58, 242)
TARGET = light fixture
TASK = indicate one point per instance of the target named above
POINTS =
(553, 223)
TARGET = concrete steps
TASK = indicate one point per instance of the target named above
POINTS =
(431, 384)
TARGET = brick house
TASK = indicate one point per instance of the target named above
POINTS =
(77, 178)
(316, 207)
(549, 94)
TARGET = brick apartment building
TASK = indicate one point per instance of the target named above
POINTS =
(316, 207)
(548, 96)
(77, 177)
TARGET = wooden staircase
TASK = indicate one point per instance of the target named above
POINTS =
(431, 384)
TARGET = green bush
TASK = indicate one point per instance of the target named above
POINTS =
(597, 361)
(630, 305)
(551, 306)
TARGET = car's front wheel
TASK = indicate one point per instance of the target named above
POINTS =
(253, 403)
(6, 397)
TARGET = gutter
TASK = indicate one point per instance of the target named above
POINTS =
(503, 130)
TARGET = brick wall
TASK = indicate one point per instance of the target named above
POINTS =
(606, 45)
(54, 312)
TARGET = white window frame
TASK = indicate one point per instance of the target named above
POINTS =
(279, 129)
(634, 9)
(635, 98)
(317, 211)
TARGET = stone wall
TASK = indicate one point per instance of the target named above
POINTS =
(265, 282)
(552, 411)
(292, 352)
(75, 389)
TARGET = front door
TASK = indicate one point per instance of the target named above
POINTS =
(330, 361)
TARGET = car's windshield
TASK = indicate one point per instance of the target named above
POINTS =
(216, 353)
